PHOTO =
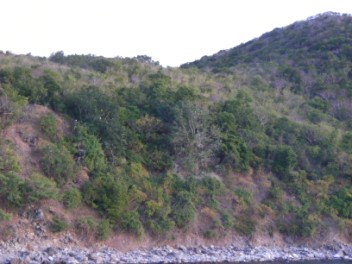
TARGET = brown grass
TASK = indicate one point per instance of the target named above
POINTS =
(27, 137)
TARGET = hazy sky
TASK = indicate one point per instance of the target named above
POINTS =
(170, 31)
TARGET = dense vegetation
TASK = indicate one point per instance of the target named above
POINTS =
(261, 140)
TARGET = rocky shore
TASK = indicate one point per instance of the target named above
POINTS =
(181, 254)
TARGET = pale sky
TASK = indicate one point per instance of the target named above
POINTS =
(170, 31)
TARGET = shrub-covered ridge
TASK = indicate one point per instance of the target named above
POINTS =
(254, 146)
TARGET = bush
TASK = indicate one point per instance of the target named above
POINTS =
(210, 233)
(108, 194)
(72, 198)
(298, 222)
(319, 103)
(131, 222)
(160, 225)
(104, 229)
(212, 189)
(57, 163)
(284, 160)
(8, 160)
(341, 201)
(12, 188)
(315, 116)
(11, 104)
(58, 225)
(346, 142)
(24, 83)
(245, 225)
(276, 193)
(158, 215)
(48, 126)
(89, 227)
(244, 197)
(5, 216)
(184, 210)
(39, 187)
(227, 220)
(86, 227)
(88, 150)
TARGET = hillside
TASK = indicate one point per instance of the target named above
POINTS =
(311, 57)
(317, 39)
(253, 143)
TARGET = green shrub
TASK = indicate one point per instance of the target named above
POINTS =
(88, 149)
(319, 103)
(57, 163)
(104, 229)
(130, 221)
(39, 187)
(50, 81)
(86, 227)
(184, 209)
(346, 142)
(315, 116)
(12, 188)
(24, 83)
(227, 220)
(276, 193)
(341, 201)
(58, 225)
(18, 192)
(158, 216)
(108, 194)
(48, 125)
(284, 160)
(9, 111)
(213, 188)
(72, 198)
(8, 160)
(160, 225)
(297, 221)
(5, 216)
(243, 196)
(89, 227)
(210, 233)
(245, 225)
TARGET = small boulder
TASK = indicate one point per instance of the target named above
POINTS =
(38, 215)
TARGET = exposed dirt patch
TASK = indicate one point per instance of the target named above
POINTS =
(27, 137)
(82, 177)
(125, 242)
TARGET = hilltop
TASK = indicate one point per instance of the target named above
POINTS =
(250, 144)
(318, 39)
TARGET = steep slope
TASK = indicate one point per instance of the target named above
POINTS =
(312, 58)
(304, 43)
(259, 148)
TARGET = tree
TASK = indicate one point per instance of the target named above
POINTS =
(284, 159)
(88, 149)
(195, 141)
(58, 57)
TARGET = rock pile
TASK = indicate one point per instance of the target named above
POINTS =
(176, 255)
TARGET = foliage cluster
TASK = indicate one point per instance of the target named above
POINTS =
(165, 148)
